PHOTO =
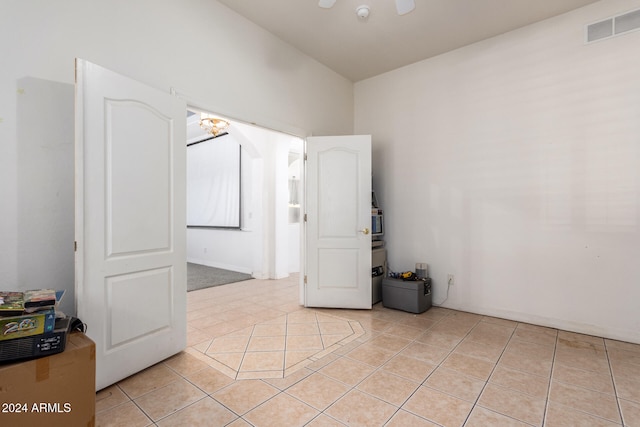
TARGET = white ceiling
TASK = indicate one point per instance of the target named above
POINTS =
(360, 49)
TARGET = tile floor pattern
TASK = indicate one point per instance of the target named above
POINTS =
(439, 368)
(278, 347)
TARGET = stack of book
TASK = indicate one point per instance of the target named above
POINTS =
(28, 313)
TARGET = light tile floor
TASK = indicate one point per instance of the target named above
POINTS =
(372, 368)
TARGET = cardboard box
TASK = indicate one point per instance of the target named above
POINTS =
(27, 325)
(52, 391)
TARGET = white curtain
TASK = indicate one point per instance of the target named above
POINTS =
(213, 183)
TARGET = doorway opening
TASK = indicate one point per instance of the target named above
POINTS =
(243, 199)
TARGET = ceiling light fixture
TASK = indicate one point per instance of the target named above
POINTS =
(213, 125)
(402, 6)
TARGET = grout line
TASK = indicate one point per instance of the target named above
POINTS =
(143, 411)
(613, 381)
(475, 403)
(423, 381)
(553, 367)
(428, 376)
(284, 350)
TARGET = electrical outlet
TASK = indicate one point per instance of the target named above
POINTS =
(451, 279)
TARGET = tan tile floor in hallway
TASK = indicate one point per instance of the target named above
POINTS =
(372, 368)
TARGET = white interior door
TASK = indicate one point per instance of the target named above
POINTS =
(338, 206)
(130, 221)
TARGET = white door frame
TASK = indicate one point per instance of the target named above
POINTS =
(194, 103)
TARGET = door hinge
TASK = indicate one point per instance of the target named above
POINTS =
(75, 246)
(305, 279)
(305, 217)
(305, 157)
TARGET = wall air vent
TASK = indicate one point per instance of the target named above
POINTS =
(614, 26)
(627, 22)
(599, 30)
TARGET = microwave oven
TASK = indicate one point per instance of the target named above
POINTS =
(377, 224)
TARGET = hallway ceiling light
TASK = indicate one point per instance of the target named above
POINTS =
(213, 125)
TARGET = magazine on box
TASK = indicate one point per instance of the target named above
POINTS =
(11, 303)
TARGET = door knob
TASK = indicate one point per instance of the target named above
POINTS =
(365, 231)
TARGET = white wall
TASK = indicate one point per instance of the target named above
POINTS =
(514, 164)
(44, 249)
(250, 75)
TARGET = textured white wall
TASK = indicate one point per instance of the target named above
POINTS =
(514, 164)
(201, 48)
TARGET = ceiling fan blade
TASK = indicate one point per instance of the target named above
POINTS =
(326, 4)
(405, 6)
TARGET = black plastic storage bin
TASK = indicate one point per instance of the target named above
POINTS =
(412, 296)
